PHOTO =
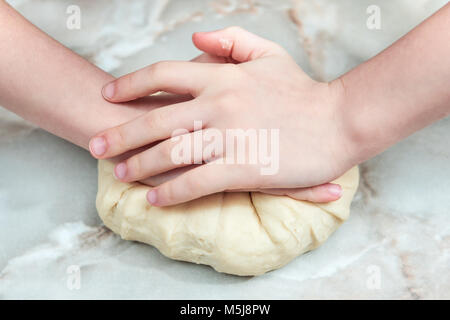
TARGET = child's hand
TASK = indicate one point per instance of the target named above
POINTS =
(263, 89)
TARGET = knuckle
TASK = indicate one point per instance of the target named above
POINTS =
(128, 81)
(168, 193)
(308, 194)
(226, 100)
(134, 167)
(157, 69)
(150, 120)
(155, 119)
(316, 194)
(222, 101)
(125, 85)
(166, 150)
(117, 135)
(192, 182)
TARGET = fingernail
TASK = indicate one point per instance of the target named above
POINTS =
(120, 171)
(151, 197)
(108, 90)
(335, 190)
(97, 146)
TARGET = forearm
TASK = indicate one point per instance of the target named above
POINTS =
(49, 85)
(401, 90)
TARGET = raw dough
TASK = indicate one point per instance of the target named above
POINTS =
(236, 233)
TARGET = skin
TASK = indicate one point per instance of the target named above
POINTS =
(325, 128)
(52, 87)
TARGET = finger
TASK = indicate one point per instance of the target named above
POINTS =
(320, 194)
(235, 43)
(201, 181)
(153, 126)
(178, 77)
(177, 152)
(161, 178)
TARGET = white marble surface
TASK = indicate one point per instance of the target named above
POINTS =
(398, 232)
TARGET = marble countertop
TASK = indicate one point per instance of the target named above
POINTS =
(396, 243)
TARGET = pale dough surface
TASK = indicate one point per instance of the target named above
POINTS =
(238, 233)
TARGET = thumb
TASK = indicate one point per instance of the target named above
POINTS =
(236, 43)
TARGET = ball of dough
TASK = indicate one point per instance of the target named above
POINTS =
(237, 233)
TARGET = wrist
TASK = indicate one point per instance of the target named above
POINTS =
(355, 141)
